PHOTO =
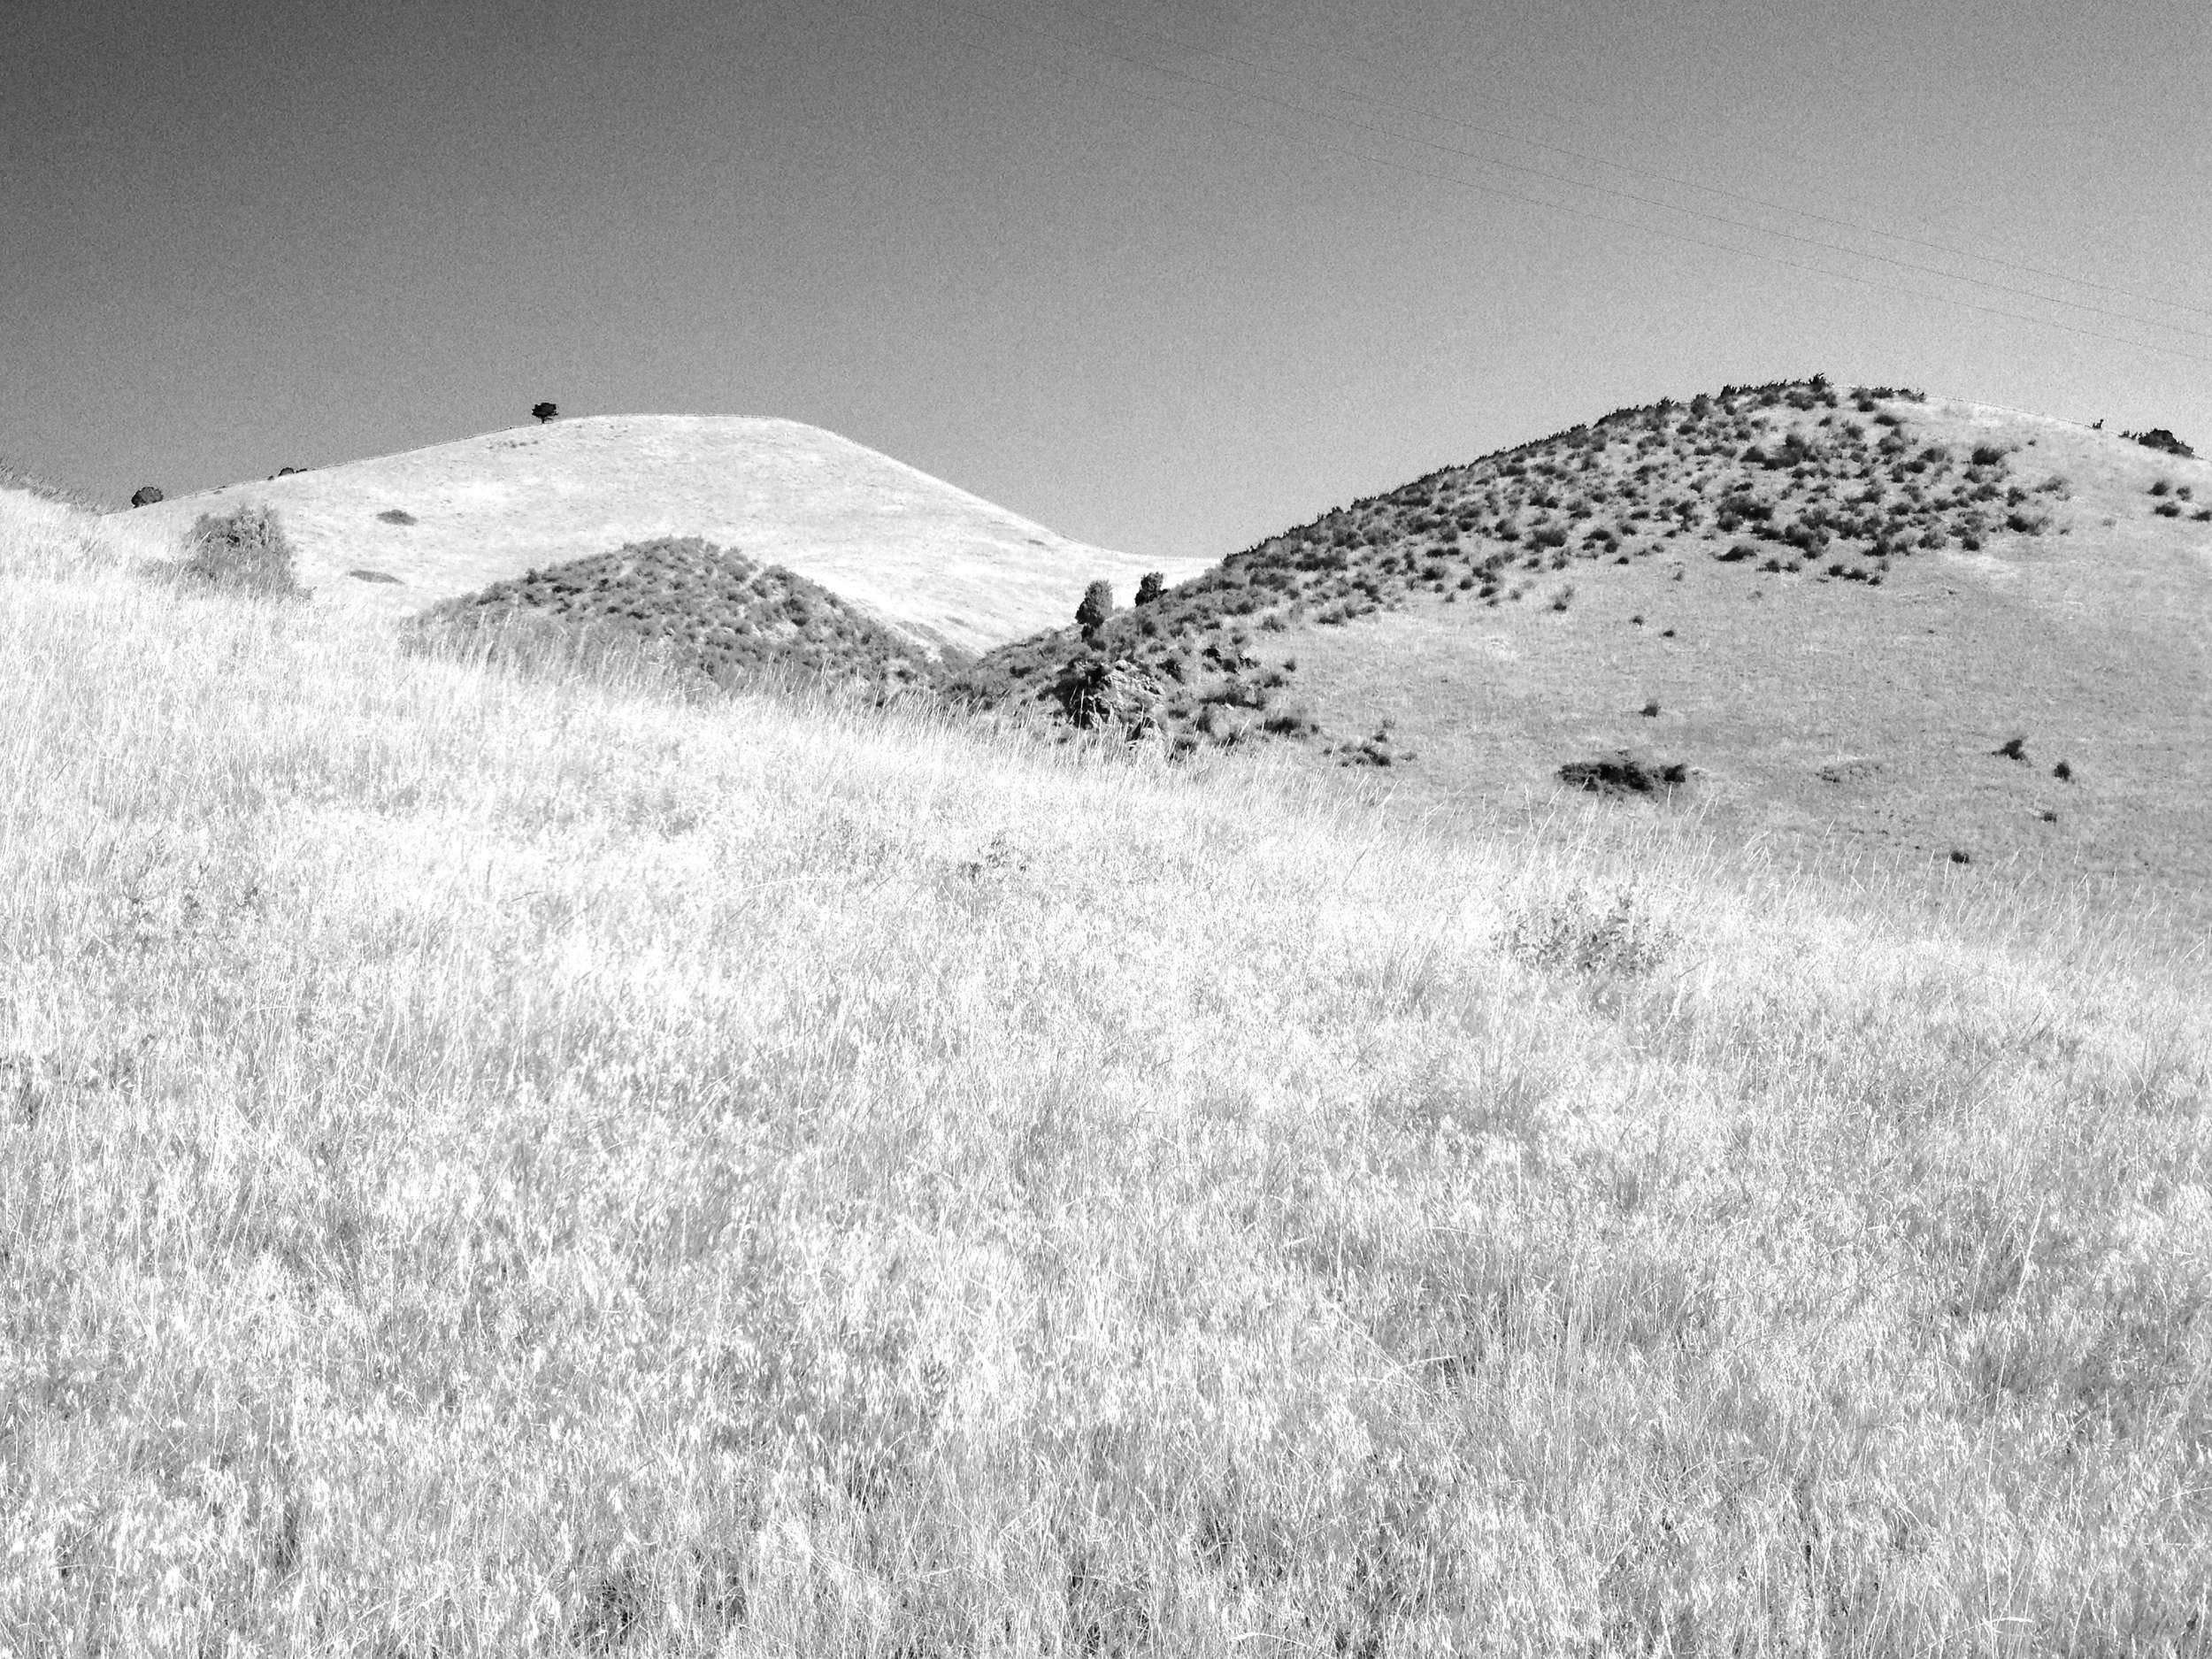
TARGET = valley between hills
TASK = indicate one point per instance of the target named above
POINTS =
(1931, 639)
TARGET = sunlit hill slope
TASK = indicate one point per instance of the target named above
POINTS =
(396, 533)
(499, 1163)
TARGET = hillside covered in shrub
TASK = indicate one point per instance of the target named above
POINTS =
(1793, 478)
(702, 611)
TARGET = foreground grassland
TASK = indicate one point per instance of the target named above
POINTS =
(491, 1164)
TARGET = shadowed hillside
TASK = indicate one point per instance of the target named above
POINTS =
(947, 569)
(1834, 611)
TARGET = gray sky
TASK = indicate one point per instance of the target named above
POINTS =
(1167, 275)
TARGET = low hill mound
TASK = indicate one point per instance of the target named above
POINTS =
(1831, 609)
(699, 610)
(945, 569)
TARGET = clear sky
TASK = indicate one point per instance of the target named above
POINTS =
(1167, 275)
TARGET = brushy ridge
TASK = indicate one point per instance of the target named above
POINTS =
(493, 1160)
(1796, 475)
(698, 612)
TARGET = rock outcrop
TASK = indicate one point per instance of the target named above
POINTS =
(1094, 693)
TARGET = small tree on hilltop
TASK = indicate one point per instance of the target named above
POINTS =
(1153, 584)
(544, 412)
(1098, 605)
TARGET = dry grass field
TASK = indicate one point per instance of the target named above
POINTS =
(498, 1162)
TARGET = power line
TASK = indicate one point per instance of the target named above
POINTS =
(1589, 213)
(1600, 190)
(1710, 189)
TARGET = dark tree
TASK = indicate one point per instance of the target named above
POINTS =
(1098, 605)
(1151, 587)
(544, 412)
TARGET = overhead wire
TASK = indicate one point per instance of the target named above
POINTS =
(1627, 196)
(1506, 136)
(1590, 214)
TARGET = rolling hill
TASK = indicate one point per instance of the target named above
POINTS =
(1834, 611)
(946, 569)
(499, 1163)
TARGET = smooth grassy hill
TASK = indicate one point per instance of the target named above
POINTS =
(493, 1164)
(1834, 609)
(948, 569)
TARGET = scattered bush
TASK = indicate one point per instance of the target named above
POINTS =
(1150, 586)
(2012, 749)
(1572, 934)
(1989, 454)
(2064, 771)
(396, 515)
(243, 551)
(1623, 774)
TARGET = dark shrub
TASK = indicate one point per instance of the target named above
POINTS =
(2064, 771)
(1988, 454)
(1150, 586)
(1622, 775)
(2158, 438)
(2013, 748)
(543, 413)
(1098, 605)
(396, 515)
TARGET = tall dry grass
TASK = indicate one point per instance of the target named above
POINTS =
(495, 1161)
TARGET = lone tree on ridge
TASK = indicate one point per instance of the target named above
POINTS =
(1098, 605)
(544, 412)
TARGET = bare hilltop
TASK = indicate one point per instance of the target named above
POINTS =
(947, 569)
